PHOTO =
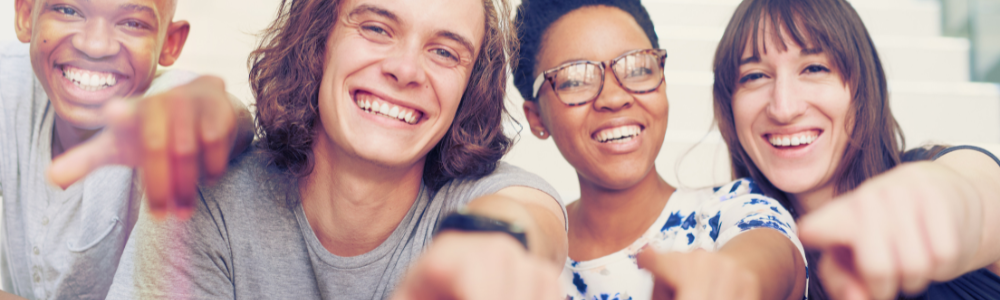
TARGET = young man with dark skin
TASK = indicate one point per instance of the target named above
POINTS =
(86, 95)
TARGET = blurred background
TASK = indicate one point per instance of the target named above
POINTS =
(942, 58)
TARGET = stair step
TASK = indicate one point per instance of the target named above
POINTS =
(914, 58)
(908, 18)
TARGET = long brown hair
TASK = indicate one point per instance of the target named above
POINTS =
(286, 71)
(834, 27)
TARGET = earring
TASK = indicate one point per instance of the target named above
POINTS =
(540, 133)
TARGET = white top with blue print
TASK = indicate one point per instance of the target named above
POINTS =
(692, 219)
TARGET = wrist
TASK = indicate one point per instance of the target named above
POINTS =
(462, 220)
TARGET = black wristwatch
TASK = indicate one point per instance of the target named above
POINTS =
(464, 221)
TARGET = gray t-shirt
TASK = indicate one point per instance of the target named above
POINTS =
(249, 239)
(54, 243)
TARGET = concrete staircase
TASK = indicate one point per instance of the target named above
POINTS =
(930, 92)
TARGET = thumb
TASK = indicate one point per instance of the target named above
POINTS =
(79, 161)
(661, 266)
(97, 152)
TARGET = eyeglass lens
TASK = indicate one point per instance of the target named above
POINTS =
(579, 83)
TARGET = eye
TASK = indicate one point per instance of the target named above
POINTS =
(569, 84)
(639, 72)
(446, 54)
(815, 69)
(374, 29)
(133, 24)
(66, 10)
(751, 77)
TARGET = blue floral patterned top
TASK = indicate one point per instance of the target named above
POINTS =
(692, 219)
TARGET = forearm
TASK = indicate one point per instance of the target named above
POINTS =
(9, 296)
(983, 173)
(774, 261)
(544, 229)
(244, 126)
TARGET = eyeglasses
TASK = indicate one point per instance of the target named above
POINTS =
(578, 82)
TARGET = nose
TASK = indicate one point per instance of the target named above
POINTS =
(405, 68)
(787, 101)
(612, 96)
(97, 39)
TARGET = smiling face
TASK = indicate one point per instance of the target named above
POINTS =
(790, 112)
(85, 53)
(612, 141)
(394, 77)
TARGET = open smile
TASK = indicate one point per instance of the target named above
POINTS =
(89, 80)
(378, 106)
(794, 140)
(618, 134)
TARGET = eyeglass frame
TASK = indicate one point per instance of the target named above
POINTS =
(550, 74)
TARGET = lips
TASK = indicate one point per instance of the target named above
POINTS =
(617, 134)
(89, 80)
(794, 139)
(378, 106)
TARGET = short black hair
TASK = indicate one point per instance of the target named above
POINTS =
(535, 16)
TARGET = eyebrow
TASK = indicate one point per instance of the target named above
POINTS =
(804, 52)
(811, 51)
(457, 38)
(367, 8)
(752, 59)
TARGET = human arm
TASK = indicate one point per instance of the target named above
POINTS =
(175, 138)
(473, 265)
(9, 296)
(753, 265)
(919, 222)
(752, 249)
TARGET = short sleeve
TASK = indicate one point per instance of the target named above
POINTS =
(968, 147)
(169, 79)
(174, 259)
(460, 192)
(741, 208)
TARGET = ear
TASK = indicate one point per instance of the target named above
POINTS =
(22, 19)
(533, 114)
(177, 34)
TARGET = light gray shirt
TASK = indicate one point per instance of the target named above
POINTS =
(249, 239)
(54, 243)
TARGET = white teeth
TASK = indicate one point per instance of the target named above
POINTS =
(796, 140)
(88, 80)
(388, 110)
(618, 134)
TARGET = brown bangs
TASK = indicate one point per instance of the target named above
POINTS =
(831, 27)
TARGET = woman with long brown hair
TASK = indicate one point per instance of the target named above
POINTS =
(380, 125)
(801, 100)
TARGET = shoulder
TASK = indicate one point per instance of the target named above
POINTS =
(505, 175)
(249, 180)
(13, 49)
(168, 79)
(15, 69)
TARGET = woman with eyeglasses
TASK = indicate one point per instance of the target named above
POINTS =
(592, 76)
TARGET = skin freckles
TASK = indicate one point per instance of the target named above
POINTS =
(793, 92)
(385, 51)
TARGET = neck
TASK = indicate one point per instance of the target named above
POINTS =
(810, 201)
(606, 220)
(66, 136)
(353, 205)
